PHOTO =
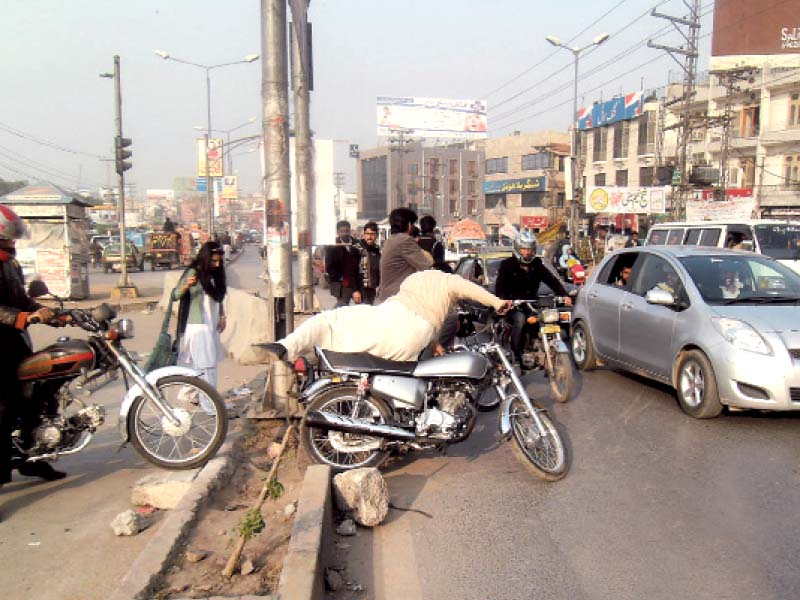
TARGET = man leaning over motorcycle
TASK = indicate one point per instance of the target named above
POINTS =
(518, 278)
(17, 311)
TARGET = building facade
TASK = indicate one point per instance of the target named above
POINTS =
(524, 182)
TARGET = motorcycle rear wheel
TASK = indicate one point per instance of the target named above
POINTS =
(192, 443)
(544, 455)
(562, 379)
(321, 446)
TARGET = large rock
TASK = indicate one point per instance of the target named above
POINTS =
(162, 489)
(364, 493)
(126, 523)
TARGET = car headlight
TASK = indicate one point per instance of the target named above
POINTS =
(550, 315)
(742, 335)
(125, 329)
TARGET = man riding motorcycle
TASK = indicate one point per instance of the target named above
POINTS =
(17, 311)
(518, 278)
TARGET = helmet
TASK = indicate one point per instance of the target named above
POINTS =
(11, 226)
(525, 240)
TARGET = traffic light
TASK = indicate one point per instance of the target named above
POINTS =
(120, 154)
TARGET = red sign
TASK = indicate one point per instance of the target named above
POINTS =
(534, 222)
(729, 193)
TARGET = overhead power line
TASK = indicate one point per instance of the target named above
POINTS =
(43, 142)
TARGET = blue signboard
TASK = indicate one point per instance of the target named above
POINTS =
(621, 108)
(200, 184)
(515, 186)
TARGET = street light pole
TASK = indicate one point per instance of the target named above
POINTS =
(576, 51)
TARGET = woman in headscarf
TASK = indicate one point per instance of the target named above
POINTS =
(201, 316)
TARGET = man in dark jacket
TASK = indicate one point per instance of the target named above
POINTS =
(518, 278)
(401, 256)
(370, 263)
(17, 311)
(428, 242)
(342, 265)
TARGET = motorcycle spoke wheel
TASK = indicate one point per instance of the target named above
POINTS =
(542, 452)
(201, 429)
(345, 451)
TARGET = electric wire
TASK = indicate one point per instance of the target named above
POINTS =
(43, 142)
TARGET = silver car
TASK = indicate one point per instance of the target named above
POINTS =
(722, 327)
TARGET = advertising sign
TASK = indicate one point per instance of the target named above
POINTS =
(230, 187)
(748, 34)
(642, 200)
(621, 108)
(160, 196)
(214, 157)
(515, 186)
(535, 222)
(432, 117)
(739, 204)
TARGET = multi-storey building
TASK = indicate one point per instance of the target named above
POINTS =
(524, 182)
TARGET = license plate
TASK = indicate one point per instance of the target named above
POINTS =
(551, 329)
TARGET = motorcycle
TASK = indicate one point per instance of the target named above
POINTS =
(547, 350)
(360, 407)
(173, 418)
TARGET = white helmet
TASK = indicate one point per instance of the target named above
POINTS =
(525, 240)
(11, 226)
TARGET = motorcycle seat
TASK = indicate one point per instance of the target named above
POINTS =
(361, 362)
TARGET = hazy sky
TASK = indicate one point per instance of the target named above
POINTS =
(53, 50)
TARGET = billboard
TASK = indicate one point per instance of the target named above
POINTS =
(750, 34)
(621, 108)
(432, 117)
(162, 196)
(515, 186)
(642, 200)
(230, 187)
(214, 157)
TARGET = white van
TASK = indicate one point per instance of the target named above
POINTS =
(777, 239)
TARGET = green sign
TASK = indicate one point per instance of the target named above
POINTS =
(676, 177)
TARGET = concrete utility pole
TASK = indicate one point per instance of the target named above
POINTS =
(689, 66)
(303, 160)
(277, 190)
(398, 144)
(338, 183)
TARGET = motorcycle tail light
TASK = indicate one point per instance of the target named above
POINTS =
(549, 315)
(301, 366)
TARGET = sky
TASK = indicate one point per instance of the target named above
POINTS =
(57, 114)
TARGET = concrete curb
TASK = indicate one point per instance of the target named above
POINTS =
(145, 572)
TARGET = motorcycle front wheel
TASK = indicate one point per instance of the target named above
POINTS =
(562, 378)
(542, 452)
(345, 451)
(203, 424)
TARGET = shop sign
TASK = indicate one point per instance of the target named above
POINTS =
(515, 186)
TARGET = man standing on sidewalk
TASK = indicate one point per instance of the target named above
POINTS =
(401, 255)
(342, 264)
(370, 264)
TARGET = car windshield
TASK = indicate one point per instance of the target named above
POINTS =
(492, 267)
(781, 241)
(749, 279)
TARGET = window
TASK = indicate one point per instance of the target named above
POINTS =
(560, 200)
(497, 165)
(472, 168)
(622, 131)
(562, 163)
(612, 272)
(749, 122)
(433, 187)
(645, 176)
(413, 169)
(492, 200)
(657, 272)
(710, 237)
(434, 167)
(600, 143)
(532, 199)
(794, 111)
(471, 187)
(675, 237)
(647, 133)
(599, 178)
(748, 166)
(621, 178)
(692, 237)
(791, 170)
(539, 160)
(471, 209)
(453, 187)
(452, 205)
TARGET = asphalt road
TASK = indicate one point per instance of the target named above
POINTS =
(656, 505)
(55, 538)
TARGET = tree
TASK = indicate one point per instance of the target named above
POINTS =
(6, 187)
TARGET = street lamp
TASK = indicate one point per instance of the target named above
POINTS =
(208, 68)
(576, 51)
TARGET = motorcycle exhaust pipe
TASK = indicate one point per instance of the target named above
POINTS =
(331, 421)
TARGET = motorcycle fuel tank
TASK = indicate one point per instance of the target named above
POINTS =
(62, 359)
(402, 392)
(471, 365)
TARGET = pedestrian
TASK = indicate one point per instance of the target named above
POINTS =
(17, 310)
(370, 263)
(201, 314)
(401, 256)
(169, 226)
(428, 241)
(342, 265)
(399, 329)
(633, 240)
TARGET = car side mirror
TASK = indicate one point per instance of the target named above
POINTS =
(37, 288)
(659, 297)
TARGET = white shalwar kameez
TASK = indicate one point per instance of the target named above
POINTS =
(201, 349)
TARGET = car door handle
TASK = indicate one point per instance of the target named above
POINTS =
(593, 295)
(627, 305)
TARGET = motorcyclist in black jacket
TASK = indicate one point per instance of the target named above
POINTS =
(17, 311)
(518, 278)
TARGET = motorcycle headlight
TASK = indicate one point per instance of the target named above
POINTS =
(125, 328)
(742, 335)
(550, 315)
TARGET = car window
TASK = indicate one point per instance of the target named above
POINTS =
(656, 272)
(605, 272)
(724, 278)
(710, 237)
(657, 237)
(492, 268)
(675, 237)
(464, 268)
(692, 237)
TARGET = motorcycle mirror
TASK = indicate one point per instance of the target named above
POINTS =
(37, 288)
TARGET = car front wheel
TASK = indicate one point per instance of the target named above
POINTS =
(582, 347)
(697, 386)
